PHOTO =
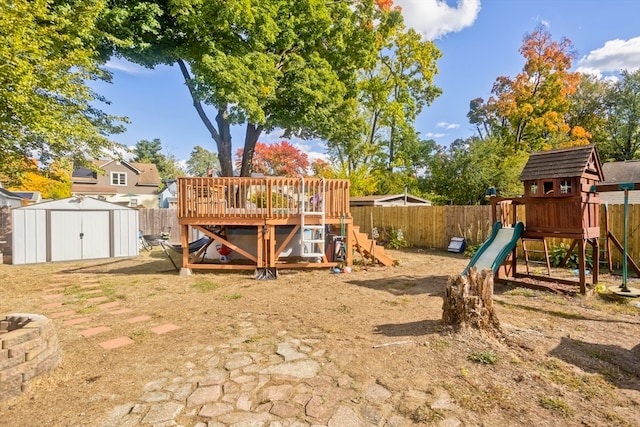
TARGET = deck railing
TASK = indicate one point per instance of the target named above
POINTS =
(265, 197)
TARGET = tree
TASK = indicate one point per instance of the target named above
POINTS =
(52, 183)
(529, 110)
(47, 55)
(461, 173)
(279, 159)
(391, 96)
(150, 152)
(273, 64)
(587, 109)
(622, 126)
(200, 160)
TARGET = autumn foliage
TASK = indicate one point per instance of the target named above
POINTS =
(384, 4)
(532, 106)
(278, 159)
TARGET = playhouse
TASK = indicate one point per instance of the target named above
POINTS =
(559, 201)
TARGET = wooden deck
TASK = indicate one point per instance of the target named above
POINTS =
(276, 211)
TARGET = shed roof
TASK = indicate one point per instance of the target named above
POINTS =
(621, 172)
(75, 203)
(563, 163)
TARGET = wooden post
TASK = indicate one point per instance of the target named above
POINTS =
(468, 302)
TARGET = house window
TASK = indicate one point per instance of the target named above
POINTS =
(548, 187)
(133, 202)
(118, 178)
(534, 188)
(565, 187)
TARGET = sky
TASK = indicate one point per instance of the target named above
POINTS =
(479, 41)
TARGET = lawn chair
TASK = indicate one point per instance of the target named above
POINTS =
(198, 246)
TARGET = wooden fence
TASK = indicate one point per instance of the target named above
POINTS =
(434, 226)
(422, 226)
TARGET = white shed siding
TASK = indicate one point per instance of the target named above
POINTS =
(29, 236)
(124, 223)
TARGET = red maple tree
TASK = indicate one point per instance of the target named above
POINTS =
(278, 159)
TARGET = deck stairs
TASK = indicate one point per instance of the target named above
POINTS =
(370, 249)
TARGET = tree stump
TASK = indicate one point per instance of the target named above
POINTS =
(469, 302)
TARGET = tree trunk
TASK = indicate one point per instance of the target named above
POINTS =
(223, 137)
(250, 139)
(468, 302)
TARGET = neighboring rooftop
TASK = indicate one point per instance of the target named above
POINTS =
(621, 172)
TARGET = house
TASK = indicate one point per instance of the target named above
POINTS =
(168, 198)
(118, 181)
(9, 198)
(616, 173)
(389, 200)
(29, 196)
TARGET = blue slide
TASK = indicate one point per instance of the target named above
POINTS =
(493, 252)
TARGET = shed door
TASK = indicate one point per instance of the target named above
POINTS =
(79, 235)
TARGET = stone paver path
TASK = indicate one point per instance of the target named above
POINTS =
(243, 384)
(286, 381)
(76, 306)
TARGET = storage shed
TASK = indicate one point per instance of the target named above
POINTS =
(76, 228)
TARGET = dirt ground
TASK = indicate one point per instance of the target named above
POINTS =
(562, 360)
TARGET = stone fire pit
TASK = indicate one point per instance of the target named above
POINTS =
(28, 347)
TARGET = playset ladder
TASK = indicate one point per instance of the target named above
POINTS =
(544, 251)
(312, 234)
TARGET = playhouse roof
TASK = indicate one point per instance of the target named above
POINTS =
(563, 163)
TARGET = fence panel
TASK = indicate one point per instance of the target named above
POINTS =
(156, 221)
(433, 226)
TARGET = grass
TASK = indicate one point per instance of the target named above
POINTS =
(423, 415)
(141, 335)
(205, 285)
(591, 386)
(343, 309)
(556, 404)
(440, 343)
(253, 339)
(612, 304)
(480, 397)
(483, 357)
(524, 292)
(230, 297)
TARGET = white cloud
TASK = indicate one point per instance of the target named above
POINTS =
(435, 135)
(435, 18)
(614, 56)
(308, 147)
(447, 125)
(125, 66)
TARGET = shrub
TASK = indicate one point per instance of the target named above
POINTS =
(396, 240)
(558, 253)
